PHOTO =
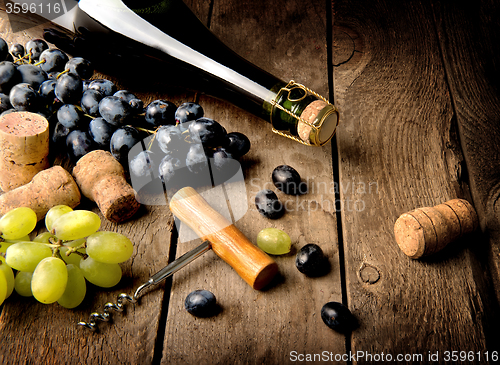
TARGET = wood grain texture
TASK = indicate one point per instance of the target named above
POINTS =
(398, 132)
(471, 55)
(288, 40)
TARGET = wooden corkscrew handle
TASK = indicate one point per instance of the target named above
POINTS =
(249, 261)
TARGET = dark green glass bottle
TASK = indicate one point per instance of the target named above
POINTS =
(166, 41)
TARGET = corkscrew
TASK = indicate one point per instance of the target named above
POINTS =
(253, 265)
(161, 275)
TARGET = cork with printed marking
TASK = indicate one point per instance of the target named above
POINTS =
(425, 231)
(24, 148)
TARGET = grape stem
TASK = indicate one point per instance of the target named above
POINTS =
(57, 245)
(62, 73)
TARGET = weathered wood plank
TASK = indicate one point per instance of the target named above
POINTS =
(398, 132)
(471, 54)
(265, 327)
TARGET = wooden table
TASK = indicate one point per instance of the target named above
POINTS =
(417, 85)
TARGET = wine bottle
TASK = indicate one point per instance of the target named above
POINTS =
(164, 40)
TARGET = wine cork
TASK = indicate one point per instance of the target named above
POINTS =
(101, 178)
(427, 230)
(24, 148)
(50, 187)
(319, 121)
(309, 114)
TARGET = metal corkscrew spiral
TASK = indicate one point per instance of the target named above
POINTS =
(161, 275)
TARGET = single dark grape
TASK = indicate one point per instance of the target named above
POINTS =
(9, 76)
(168, 167)
(221, 158)
(48, 97)
(70, 116)
(60, 134)
(69, 89)
(17, 50)
(268, 204)
(237, 144)
(338, 317)
(53, 60)
(288, 180)
(201, 303)
(125, 95)
(35, 47)
(188, 111)
(78, 144)
(196, 160)
(105, 87)
(160, 112)
(207, 131)
(24, 98)
(4, 49)
(4, 102)
(33, 75)
(169, 138)
(142, 164)
(311, 261)
(48, 89)
(136, 103)
(101, 131)
(80, 67)
(90, 102)
(122, 140)
(115, 110)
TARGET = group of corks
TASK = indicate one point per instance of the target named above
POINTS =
(27, 179)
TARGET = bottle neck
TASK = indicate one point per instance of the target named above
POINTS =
(170, 27)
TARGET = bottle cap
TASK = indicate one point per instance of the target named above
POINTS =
(309, 118)
(322, 119)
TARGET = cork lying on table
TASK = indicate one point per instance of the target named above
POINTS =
(101, 178)
(427, 230)
(24, 148)
(50, 187)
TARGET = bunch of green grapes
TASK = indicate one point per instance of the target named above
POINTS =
(55, 265)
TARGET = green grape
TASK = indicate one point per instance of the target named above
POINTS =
(3, 287)
(17, 223)
(9, 276)
(24, 256)
(22, 283)
(44, 237)
(7, 243)
(54, 213)
(49, 280)
(101, 274)
(23, 238)
(73, 258)
(109, 247)
(274, 241)
(76, 224)
(75, 289)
